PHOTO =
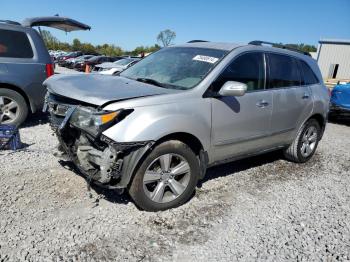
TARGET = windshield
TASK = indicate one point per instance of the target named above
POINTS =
(176, 67)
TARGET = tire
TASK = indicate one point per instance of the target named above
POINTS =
(143, 189)
(297, 152)
(19, 111)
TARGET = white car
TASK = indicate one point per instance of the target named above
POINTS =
(116, 67)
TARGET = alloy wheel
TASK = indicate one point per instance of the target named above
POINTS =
(166, 178)
(9, 110)
(309, 141)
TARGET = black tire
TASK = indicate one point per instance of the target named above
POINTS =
(136, 189)
(22, 105)
(294, 151)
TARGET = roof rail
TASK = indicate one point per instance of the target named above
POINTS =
(197, 41)
(258, 42)
(9, 22)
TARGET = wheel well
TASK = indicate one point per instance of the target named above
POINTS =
(320, 119)
(188, 139)
(18, 90)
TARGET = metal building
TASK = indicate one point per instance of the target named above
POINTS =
(333, 58)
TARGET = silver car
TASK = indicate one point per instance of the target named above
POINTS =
(156, 128)
(114, 68)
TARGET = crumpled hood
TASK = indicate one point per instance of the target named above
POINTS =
(99, 89)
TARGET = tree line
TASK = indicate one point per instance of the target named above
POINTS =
(52, 43)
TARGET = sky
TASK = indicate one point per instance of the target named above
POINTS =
(131, 23)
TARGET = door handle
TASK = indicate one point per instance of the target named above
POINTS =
(306, 96)
(262, 104)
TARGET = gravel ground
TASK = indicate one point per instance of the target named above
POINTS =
(262, 208)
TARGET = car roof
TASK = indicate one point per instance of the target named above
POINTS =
(212, 45)
(231, 46)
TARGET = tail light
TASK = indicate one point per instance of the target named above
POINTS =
(49, 70)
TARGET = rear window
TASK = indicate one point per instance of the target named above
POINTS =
(14, 44)
(284, 71)
(309, 75)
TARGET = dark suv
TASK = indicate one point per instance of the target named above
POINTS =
(24, 64)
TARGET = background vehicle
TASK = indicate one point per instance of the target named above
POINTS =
(116, 67)
(95, 61)
(340, 101)
(156, 127)
(24, 64)
(73, 61)
(62, 60)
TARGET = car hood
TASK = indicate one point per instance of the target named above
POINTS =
(98, 89)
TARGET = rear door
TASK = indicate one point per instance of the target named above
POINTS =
(241, 124)
(62, 23)
(292, 99)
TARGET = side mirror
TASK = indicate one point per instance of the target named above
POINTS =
(232, 88)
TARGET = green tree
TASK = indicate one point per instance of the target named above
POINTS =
(76, 45)
(106, 49)
(166, 37)
(50, 41)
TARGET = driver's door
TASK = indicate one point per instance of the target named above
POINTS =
(241, 124)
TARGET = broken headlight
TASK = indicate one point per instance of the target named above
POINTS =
(94, 122)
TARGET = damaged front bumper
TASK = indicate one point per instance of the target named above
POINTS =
(98, 158)
(110, 165)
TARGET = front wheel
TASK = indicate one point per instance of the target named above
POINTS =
(305, 143)
(166, 178)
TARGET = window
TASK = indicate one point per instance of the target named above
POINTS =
(14, 44)
(247, 69)
(284, 71)
(309, 75)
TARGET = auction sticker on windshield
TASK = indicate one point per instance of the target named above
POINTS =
(204, 58)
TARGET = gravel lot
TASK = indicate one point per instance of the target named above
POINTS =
(262, 208)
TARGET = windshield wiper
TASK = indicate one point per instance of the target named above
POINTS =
(150, 81)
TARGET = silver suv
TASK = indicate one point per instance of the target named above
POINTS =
(24, 65)
(156, 128)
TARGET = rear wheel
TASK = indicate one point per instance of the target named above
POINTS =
(166, 178)
(305, 143)
(13, 107)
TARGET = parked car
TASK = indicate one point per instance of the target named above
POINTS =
(73, 61)
(340, 101)
(24, 64)
(116, 67)
(56, 54)
(62, 60)
(94, 61)
(156, 128)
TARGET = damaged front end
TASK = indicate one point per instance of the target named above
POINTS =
(80, 127)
